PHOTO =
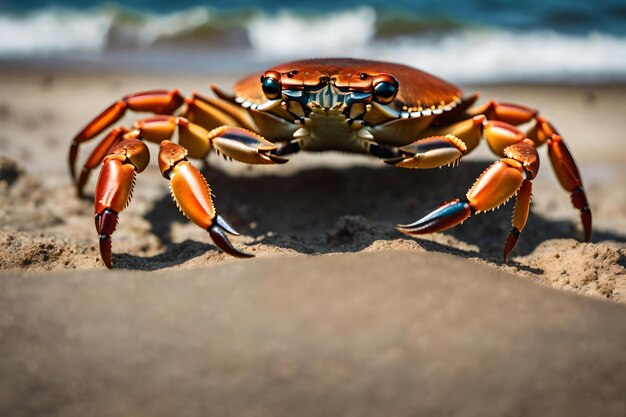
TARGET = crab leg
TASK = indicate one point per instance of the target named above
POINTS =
(153, 129)
(564, 167)
(513, 114)
(194, 136)
(211, 113)
(495, 186)
(115, 187)
(97, 156)
(520, 215)
(561, 159)
(189, 188)
(158, 101)
(193, 196)
(569, 177)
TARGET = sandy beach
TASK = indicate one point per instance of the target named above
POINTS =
(326, 203)
(330, 211)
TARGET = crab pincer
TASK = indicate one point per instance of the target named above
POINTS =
(244, 145)
(193, 196)
(502, 180)
(114, 188)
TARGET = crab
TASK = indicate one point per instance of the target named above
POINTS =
(401, 115)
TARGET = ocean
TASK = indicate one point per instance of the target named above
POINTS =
(465, 41)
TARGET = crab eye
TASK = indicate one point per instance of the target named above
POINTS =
(385, 88)
(271, 88)
(385, 92)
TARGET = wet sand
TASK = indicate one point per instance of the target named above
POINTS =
(326, 204)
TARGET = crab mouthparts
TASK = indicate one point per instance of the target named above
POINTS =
(328, 97)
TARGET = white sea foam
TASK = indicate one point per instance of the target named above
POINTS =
(57, 30)
(47, 32)
(287, 34)
(466, 56)
(504, 56)
(154, 27)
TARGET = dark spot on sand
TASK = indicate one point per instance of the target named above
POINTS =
(47, 81)
(5, 111)
(590, 97)
(9, 170)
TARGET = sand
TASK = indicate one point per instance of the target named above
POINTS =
(341, 207)
(332, 335)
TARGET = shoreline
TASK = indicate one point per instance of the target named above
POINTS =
(226, 61)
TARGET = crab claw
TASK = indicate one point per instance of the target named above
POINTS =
(244, 145)
(432, 152)
(193, 196)
(494, 187)
(448, 215)
(105, 225)
(97, 156)
(216, 231)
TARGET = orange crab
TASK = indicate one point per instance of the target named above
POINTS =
(404, 116)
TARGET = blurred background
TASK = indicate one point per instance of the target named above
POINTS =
(479, 41)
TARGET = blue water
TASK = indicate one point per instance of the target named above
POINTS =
(466, 41)
(577, 17)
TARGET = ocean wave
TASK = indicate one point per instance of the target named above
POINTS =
(463, 54)
(450, 49)
(144, 30)
(57, 30)
(494, 56)
(287, 34)
(46, 32)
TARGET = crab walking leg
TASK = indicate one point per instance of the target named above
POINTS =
(211, 113)
(500, 136)
(513, 114)
(520, 215)
(115, 188)
(565, 169)
(563, 163)
(97, 156)
(191, 136)
(158, 101)
(495, 186)
(153, 129)
(193, 196)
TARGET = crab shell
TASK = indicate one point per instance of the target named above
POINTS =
(420, 96)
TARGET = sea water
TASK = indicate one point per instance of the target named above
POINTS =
(465, 41)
